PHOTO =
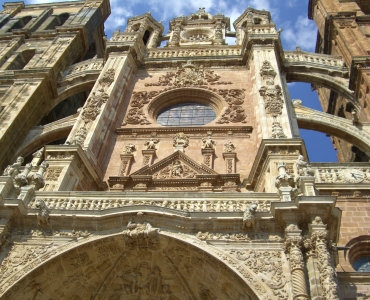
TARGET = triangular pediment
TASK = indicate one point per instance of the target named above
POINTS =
(175, 166)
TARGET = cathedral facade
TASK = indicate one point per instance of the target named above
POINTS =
(132, 170)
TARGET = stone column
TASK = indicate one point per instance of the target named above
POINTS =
(148, 156)
(293, 248)
(284, 182)
(230, 158)
(125, 164)
(319, 243)
(208, 154)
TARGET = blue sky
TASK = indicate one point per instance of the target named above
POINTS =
(289, 15)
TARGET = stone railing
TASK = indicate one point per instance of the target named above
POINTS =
(348, 174)
(164, 53)
(94, 64)
(262, 30)
(317, 59)
(181, 205)
(124, 37)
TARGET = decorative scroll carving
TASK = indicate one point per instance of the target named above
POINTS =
(233, 96)
(233, 114)
(92, 109)
(269, 267)
(80, 136)
(208, 143)
(277, 131)
(107, 78)
(43, 214)
(136, 116)
(139, 99)
(188, 75)
(267, 71)
(248, 216)
(229, 147)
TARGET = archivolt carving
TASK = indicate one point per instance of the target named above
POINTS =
(164, 271)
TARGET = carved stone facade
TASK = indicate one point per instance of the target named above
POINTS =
(175, 172)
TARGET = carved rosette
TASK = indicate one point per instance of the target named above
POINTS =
(328, 276)
(293, 246)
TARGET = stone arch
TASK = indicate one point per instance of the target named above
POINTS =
(325, 81)
(358, 135)
(39, 136)
(128, 263)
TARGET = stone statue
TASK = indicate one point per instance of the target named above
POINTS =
(13, 170)
(43, 214)
(303, 168)
(229, 147)
(248, 216)
(208, 143)
(177, 169)
(129, 149)
(355, 118)
(150, 145)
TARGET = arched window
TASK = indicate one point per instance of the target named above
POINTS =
(146, 37)
(186, 114)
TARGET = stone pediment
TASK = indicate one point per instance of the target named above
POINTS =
(175, 166)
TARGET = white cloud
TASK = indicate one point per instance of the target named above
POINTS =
(303, 33)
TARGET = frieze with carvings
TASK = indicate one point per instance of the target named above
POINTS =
(207, 236)
(188, 75)
(181, 205)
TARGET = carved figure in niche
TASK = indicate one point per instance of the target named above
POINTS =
(303, 168)
(177, 169)
(317, 221)
(43, 214)
(229, 147)
(208, 143)
(129, 149)
(180, 140)
(13, 170)
(151, 144)
(248, 216)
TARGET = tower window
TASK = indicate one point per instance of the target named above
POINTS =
(186, 114)
(146, 37)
